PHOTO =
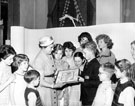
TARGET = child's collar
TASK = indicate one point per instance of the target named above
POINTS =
(123, 80)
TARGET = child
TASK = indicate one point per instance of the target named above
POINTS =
(69, 50)
(133, 65)
(7, 53)
(58, 52)
(125, 91)
(89, 74)
(31, 95)
(79, 61)
(20, 64)
(60, 65)
(104, 94)
(105, 45)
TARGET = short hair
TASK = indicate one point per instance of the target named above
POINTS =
(124, 65)
(69, 45)
(109, 68)
(91, 46)
(5, 51)
(133, 42)
(85, 34)
(106, 39)
(18, 59)
(31, 75)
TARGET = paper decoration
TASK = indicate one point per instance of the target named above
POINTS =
(17, 38)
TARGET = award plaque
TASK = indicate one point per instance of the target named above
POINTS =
(67, 76)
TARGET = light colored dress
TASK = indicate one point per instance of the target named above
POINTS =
(104, 94)
(19, 89)
(73, 90)
(5, 73)
(45, 65)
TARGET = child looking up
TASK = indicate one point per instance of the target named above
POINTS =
(32, 97)
(20, 66)
(104, 94)
(89, 75)
(125, 91)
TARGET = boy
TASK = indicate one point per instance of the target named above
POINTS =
(124, 93)
(32, 97)
(105, 88)
(90, 73)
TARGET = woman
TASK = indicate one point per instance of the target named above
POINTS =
(44, 63)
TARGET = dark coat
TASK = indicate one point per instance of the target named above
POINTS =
(91, 81)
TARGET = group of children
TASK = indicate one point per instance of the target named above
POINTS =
(95, 87)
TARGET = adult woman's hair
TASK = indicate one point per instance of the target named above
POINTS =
(17, 60)
(69, 45)
(85, 34)
(106, 39)
(5, 51)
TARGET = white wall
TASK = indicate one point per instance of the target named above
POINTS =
(122, 35)
(108, 11)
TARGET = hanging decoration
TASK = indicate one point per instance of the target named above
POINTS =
(65, 14)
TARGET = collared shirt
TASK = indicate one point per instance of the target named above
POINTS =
(104, 94)
(106, 56)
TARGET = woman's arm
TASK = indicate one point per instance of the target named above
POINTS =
(3, 86)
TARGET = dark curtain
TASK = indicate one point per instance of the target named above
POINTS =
(128, 10)
(56, 7)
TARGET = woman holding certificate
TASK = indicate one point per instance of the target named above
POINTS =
(44, 63)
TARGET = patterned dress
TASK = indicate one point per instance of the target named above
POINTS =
(45, 65)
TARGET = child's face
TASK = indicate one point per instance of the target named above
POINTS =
(36, 82)
(9, 60)
(78, 61)
(87, 53)
(102, 74)
(58, 54)
(102, 44)
(118, 73)
(24, 66)
(68, 52)
(83, 40)
(133, 51)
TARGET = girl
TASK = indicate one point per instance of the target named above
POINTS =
(7, 53)
(69, 50)
(60, 65)
(20, 66)
(125, 91)
(105, 45)
(79, 61)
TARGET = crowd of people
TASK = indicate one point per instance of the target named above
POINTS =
(102, 80)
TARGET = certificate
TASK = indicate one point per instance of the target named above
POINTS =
(67, 76)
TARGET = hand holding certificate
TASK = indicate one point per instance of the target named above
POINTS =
(67, 76)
